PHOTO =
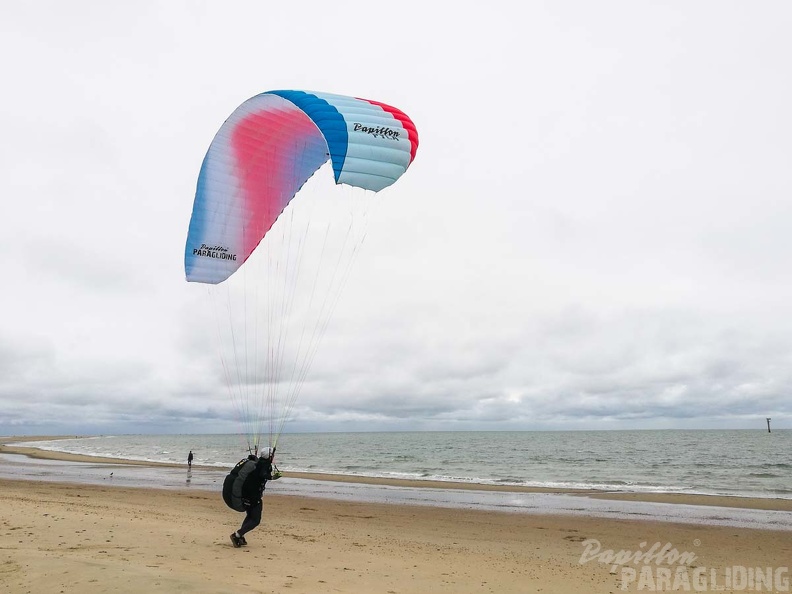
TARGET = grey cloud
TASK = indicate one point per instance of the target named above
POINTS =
(595, 239)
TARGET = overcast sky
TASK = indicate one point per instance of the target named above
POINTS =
(596, 231)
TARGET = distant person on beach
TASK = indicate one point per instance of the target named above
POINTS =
(189, 459)
(253, 475)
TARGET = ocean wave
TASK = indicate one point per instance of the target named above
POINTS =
(721, 463)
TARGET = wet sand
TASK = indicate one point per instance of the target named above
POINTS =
(63, 537)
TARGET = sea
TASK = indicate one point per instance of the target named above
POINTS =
(744, 463)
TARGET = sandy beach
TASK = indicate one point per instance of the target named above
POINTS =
(86, 538)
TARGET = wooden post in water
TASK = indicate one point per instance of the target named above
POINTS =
(768, 425)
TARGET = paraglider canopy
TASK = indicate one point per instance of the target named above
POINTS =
(264, 153)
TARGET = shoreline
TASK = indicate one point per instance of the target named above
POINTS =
(733, 501)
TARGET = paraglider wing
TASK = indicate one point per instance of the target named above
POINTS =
(264, 153)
